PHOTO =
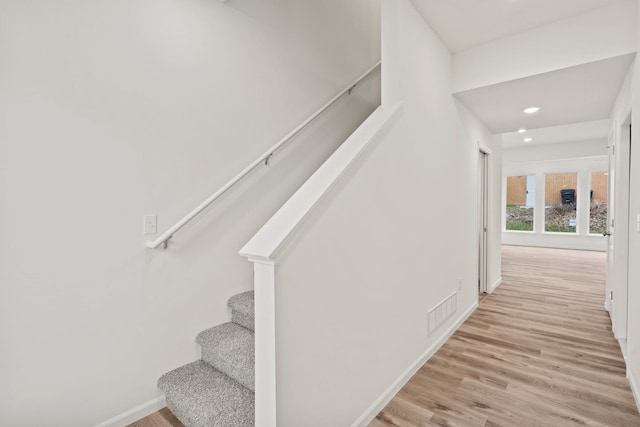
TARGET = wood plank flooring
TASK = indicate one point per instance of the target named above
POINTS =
(161, 418)
(537, 352)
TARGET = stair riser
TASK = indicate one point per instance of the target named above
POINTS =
(242, 310)
(179, 415)
(230, 349)
(242, 319)
(200, 396)
(243, 378)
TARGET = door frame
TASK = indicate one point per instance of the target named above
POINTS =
(618, 228)
(483, 218)
(611, 198)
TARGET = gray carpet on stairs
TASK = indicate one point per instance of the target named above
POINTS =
(242, 309)
(201, 396)
(218, 391)
(230, 349)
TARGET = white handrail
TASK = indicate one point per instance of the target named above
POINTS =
(167, 235)
(268, 243)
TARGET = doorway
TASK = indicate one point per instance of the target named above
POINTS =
(483, 213)
(619, 226)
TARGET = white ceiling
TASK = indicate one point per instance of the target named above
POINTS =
(598, 129)
(576, 102)
(577, 94)
(463, 24)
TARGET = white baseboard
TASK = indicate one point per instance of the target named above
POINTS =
(622, 342)
(135, 414)
(395, 387)
(495, 285)
(607, 305)
(635, 387)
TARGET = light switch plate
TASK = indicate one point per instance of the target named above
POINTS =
(150, 224)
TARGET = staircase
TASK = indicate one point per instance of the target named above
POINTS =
(218, 390)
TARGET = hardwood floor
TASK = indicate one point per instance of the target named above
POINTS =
(162, 418)
(537, 352)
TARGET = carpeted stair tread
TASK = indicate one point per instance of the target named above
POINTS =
(230, 349)
(242, 310)
(201, 396)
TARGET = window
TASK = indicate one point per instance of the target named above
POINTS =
(560, 202)
(598, 203)
(520, 202)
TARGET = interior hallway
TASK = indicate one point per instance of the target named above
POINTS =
(539, 351)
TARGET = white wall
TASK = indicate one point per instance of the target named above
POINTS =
(549, 158)
(633, 331)
(557, 151)
(110, 110)
(385, 245)
(595, 35)
(478, 134)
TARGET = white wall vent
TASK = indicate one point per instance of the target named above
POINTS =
(442, 311)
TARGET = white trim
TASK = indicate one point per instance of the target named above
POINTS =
(135, 414)
(265, 344)
(607, 304)
(622, 342)
(619, 279)
(635, 388)
(483, 148)
(379, 404)
(495, 285)
(625, 114)
(271, 240)
(554, 240)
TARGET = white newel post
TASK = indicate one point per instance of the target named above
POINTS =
(265, 336)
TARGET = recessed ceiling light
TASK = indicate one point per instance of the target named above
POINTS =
(531, 110)
(522, 130)
(528, 139)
